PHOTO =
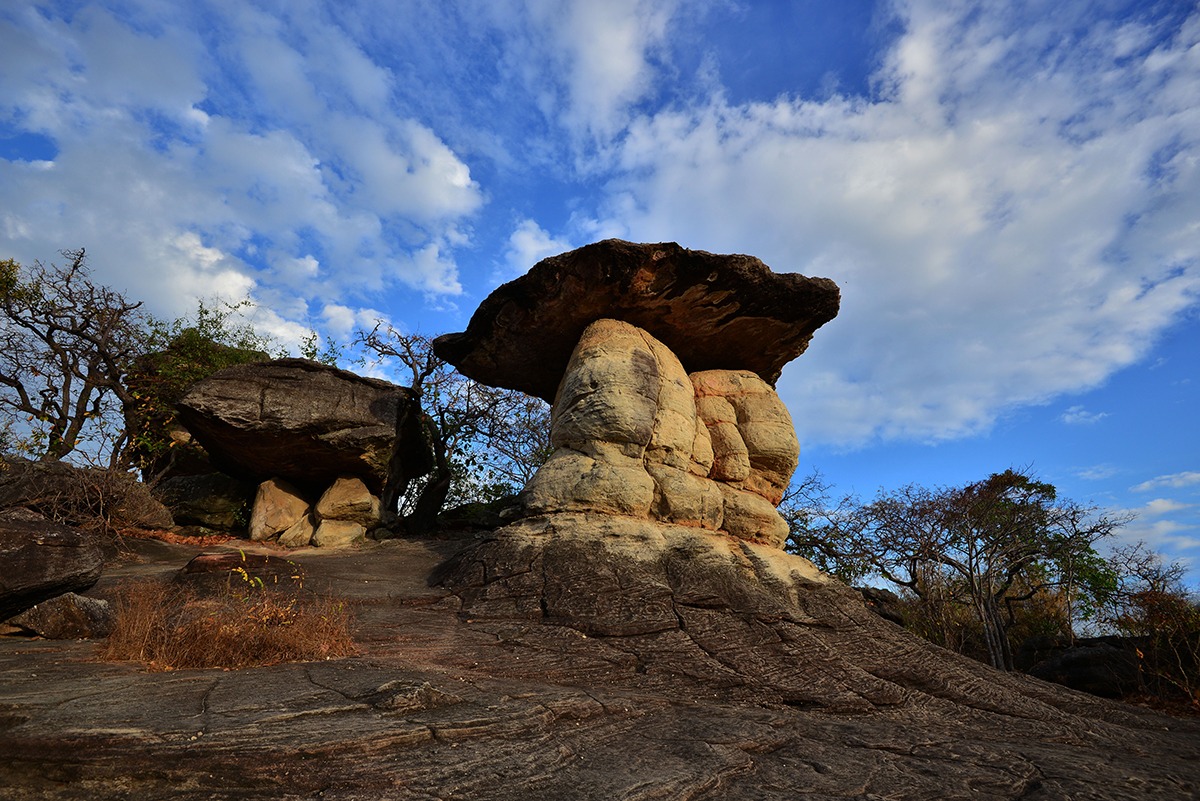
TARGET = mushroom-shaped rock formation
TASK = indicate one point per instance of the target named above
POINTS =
(712, 311)
(635, 436)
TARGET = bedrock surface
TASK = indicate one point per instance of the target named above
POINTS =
(550, 665)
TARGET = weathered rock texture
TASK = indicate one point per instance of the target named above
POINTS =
(306, 422)
(634, 435)
(342, 516)
(67, 617)
(212, 500)
(278, 506)
(216, 572)
(349, 499)
(712, 311)
(40, 560)
(574, 665)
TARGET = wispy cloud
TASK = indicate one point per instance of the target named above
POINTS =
(1180, 540)
(1174, 481)
(1078, 415)
(529, 244)
(1162, 506)
(185, 182)
(1098, 472)
(1008, 218)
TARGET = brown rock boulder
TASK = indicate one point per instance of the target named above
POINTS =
(67, 617)
(306, 422)
(338, 534)
(40, 560)
(349, 499)
(712, 311)
(634, 435)
(278, 506)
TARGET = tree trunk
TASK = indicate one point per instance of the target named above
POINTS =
(423, 519)
(995, 635)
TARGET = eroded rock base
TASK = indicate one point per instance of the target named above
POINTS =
(527, 678)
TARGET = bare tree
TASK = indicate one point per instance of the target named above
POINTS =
(485, 441)
(988, 545)
(65, 345)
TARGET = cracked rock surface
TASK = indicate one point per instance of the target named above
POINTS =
(580, 659)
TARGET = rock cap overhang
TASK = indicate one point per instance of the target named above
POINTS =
(713, 311)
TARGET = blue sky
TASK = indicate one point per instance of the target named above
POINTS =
(1008, 193)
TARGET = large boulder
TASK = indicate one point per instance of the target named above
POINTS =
(635, 435)
(278, 506)
(1104, 666)
(40, 559)
(67, 617)
(308, 423)
(159, 445)
(713, 311)
(349, 499)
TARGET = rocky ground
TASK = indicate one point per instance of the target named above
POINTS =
(562, 670)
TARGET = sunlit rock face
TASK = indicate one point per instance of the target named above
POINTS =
(660, 362)
(635, 435)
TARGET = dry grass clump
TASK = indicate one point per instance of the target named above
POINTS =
(167, 627)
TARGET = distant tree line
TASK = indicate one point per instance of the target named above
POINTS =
(983, 567)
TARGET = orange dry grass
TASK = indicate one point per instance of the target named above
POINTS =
(169, 628)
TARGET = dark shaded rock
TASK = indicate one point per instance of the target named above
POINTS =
(682, 607)
(157, 381)
(712, 311)
(515, 706)
(884, 603)
(88, 497)
(42, 559)
(1104, 666)
(211, 500)
(67, 617)
(303, 421)
(218, 571)
(476, 516)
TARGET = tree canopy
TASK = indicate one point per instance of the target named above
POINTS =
(988, 545)
(66, 344)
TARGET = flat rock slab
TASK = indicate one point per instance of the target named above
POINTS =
(713, 311)
(300, 420)
(443, 704)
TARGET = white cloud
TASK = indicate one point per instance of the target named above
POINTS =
(587, 63)
(1079, 416)
(340, 322)
(1098, 472)
(528, 244)
(183, 182)
(1009, 220)
(1173, 481)
(1163, 536)
(1162, 506)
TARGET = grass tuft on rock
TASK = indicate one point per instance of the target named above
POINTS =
(166, 627)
